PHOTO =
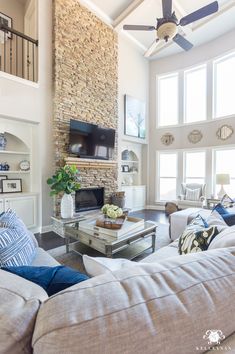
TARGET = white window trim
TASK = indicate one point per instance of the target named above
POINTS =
(210, 87)
(214, 102)
(158, 78)
(214, 150)
(184, 163)
(157, 183)
(185, 72)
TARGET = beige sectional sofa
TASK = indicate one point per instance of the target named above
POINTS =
(162, 305)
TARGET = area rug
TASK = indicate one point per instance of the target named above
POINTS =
(74, 260)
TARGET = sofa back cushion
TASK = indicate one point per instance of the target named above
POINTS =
(19, 304)
(163, 307)
(226, 238)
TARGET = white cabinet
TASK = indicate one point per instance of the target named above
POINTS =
(1, 205)
(25, 207)
(135, 197)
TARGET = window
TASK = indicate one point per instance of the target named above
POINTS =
(195, 94)
(224, 164)
(167, 176)
(168, 100)
(224, 78)
(195, 163)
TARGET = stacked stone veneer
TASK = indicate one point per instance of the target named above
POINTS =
(85, 81)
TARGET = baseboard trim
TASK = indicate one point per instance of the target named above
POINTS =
(47, 228)
(155, 207)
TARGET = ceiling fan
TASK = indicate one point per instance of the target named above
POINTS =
(167, 25)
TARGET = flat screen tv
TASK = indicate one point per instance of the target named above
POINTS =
(91, 141)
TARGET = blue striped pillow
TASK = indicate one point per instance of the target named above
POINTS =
(16, 246)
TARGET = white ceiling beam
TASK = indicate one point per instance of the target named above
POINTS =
(222, 9)
(134, 40)
(117, 23)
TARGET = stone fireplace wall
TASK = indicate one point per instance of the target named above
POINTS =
(85, 54)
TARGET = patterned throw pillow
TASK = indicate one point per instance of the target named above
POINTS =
(196, 238)
(192, 194)
(16, 246)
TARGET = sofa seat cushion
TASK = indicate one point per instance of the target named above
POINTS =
(20, 301)
(43, 258)
(163, 253)
(143, 309)
(16, 245)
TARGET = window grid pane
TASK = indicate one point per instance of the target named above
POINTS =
(195, 94)
(167, 188)
(195, 165)
(224, 75)
(224, 164)
(168, 100)
(167, 176)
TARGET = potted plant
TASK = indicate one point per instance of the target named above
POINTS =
(65, 180)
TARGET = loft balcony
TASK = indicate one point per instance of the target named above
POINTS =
(18, 53)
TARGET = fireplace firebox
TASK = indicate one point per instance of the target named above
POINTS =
(89, 199)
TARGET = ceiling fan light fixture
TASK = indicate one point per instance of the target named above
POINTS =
(167, 31)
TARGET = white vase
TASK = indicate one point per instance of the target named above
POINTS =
(66, 206)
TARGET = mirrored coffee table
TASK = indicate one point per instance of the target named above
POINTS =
(110, 246)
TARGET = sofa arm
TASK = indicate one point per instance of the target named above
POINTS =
(181, 197)
(202, 198)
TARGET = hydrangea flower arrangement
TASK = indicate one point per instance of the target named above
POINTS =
(112, 211)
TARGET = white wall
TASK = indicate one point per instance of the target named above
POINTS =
(178, 62)
(33, 103)
(133, 76)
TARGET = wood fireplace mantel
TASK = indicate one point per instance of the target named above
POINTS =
(90, 163)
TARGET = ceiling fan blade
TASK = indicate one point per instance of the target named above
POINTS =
(182, 42)
(201, 13)
(138, 28)
(167, 8)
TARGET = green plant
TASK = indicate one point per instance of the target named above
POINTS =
(64, 180)
(112, 211)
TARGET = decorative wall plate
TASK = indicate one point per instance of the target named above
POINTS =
(195, 136)
(24, 165)
(224, 132)
(167, 139)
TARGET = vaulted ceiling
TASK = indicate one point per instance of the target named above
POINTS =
(144, 12)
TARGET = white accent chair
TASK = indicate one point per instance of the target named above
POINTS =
(184, 203)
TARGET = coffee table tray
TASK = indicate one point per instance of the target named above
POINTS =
(130, 224)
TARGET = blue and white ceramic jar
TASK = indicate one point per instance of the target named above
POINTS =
(3, 141)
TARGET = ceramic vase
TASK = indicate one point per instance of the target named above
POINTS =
(66, 206)
(3, 141)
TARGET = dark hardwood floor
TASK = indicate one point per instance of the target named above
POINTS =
(50, 240)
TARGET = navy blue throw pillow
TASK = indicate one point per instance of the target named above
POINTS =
(220, 209)
(51, 279)
(229, 219)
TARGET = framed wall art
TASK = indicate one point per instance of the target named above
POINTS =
(12, 185)
(1, 178)
(134, 117)
(7, 21)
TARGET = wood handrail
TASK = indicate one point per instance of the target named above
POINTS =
(17, 33)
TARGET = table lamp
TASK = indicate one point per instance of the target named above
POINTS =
(222, 179)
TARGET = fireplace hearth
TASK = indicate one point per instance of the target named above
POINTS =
(89, 199)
